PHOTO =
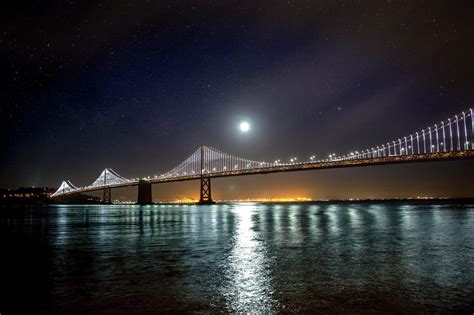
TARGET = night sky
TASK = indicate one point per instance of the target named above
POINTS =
(139, 86)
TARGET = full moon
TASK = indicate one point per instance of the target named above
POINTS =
(244, 126)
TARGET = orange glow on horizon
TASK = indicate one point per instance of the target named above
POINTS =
(188, 200)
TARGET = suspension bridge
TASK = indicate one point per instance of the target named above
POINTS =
(450, 139)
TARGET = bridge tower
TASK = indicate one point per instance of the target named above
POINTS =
(144, 193)
(107, 197)
(205, 195)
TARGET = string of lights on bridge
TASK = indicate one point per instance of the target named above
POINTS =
(454, 134)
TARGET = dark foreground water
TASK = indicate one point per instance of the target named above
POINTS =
(237, 258)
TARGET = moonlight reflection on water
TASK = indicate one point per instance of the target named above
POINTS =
(248, 280)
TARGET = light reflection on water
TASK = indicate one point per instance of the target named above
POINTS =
(241, 257)
(248, 280)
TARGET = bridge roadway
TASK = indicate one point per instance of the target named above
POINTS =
(295, 167)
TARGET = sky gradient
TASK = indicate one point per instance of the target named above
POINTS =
(139, 86)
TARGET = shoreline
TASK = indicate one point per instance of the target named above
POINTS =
(438, 201)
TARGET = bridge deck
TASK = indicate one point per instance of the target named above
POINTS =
(295, 167)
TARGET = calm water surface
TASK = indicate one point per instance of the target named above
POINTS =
(237, 258)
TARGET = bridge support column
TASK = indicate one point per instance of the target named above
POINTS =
(205, 197)
(144, 193)
(107, 197)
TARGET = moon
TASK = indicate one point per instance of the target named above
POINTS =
(244, 126)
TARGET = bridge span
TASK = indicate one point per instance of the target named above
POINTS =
(452, 139)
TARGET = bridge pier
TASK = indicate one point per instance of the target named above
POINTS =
(144, 193)
(205, 196)
(107, 197)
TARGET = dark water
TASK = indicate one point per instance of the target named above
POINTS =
(237, 258)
